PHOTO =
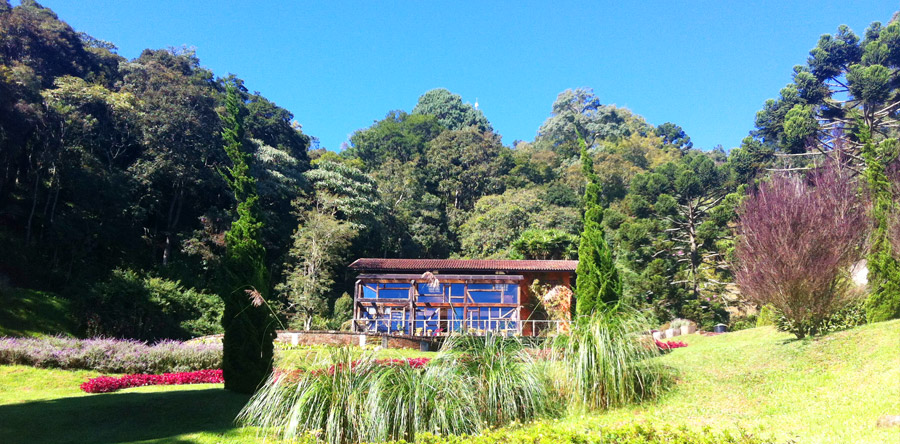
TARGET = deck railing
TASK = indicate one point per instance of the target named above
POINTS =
(478, 327)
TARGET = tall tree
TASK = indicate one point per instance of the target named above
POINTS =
(845, 100)
(248, 321)
(580, 112)
(320, 244)
(450, 110)
(884, 267)
(597, 283)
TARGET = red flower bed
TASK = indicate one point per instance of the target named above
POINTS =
(670, 345)
(106, 384)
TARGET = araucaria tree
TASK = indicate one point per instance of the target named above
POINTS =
(797, 242)
(598, 281)
(846, 99)
(248, 321)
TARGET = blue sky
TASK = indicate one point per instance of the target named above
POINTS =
(339, 66)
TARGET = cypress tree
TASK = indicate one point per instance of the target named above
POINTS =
(883, 302)
(597, 283)
(248, 321)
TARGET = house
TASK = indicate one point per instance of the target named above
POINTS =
(432, 297)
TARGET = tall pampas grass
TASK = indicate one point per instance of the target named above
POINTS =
(608, 362)
(474, 383)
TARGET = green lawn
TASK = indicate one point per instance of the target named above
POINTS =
(33, 313)
(823, 390)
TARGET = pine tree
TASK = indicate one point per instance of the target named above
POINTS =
(597, 283)
(883, 302)
(248, 321)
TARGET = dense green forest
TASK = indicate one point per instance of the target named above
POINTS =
(114, 191)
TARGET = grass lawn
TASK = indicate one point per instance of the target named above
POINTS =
(32, 313)
(823, 390)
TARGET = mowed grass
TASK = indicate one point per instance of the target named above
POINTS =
(822, 390)
(32, 313)
(826, 390)
(47, 406)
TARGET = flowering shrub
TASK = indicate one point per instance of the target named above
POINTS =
(110, 355)
(106, 384)
(669, 345)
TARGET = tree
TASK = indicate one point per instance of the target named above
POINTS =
(550, 244)
(399, 136)
(320, 243)
(249, 326)
(797, 242)
(497, 221)
(580, 112)
(450, 111)
(883, 302)
(687, 197)
(675, 136)
(597, 283)
(845, 100)
(467, 164)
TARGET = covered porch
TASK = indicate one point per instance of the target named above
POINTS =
(418, 305)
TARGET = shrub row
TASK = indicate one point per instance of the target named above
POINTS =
(553, 432)
(110, 355)
(106, 384)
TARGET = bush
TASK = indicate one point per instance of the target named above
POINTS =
(148, 308)
(110, 355)
(767, 316)
(851, 315)
(797, 242)
(737, 323)
(474, 383)
(552, 432)
(706, 313)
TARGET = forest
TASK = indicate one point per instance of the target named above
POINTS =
(117, 195)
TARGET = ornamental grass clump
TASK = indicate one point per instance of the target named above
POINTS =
(474, 383)
(607, 361)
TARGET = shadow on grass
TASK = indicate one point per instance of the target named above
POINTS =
(120, 417)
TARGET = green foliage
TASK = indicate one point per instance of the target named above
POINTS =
(248, 321)
(852, 314)
(343, 309)
(768, 315)
(606, 364)
(675, 136)
(450, 110)
(597, 283)
(319, 245)
(562, 432)
(498, 221)
(546, 244)
(884, 268)
(129, 305)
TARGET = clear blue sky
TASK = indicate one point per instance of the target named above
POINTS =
(338, 66)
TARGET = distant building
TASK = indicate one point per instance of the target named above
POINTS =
(432, 297)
